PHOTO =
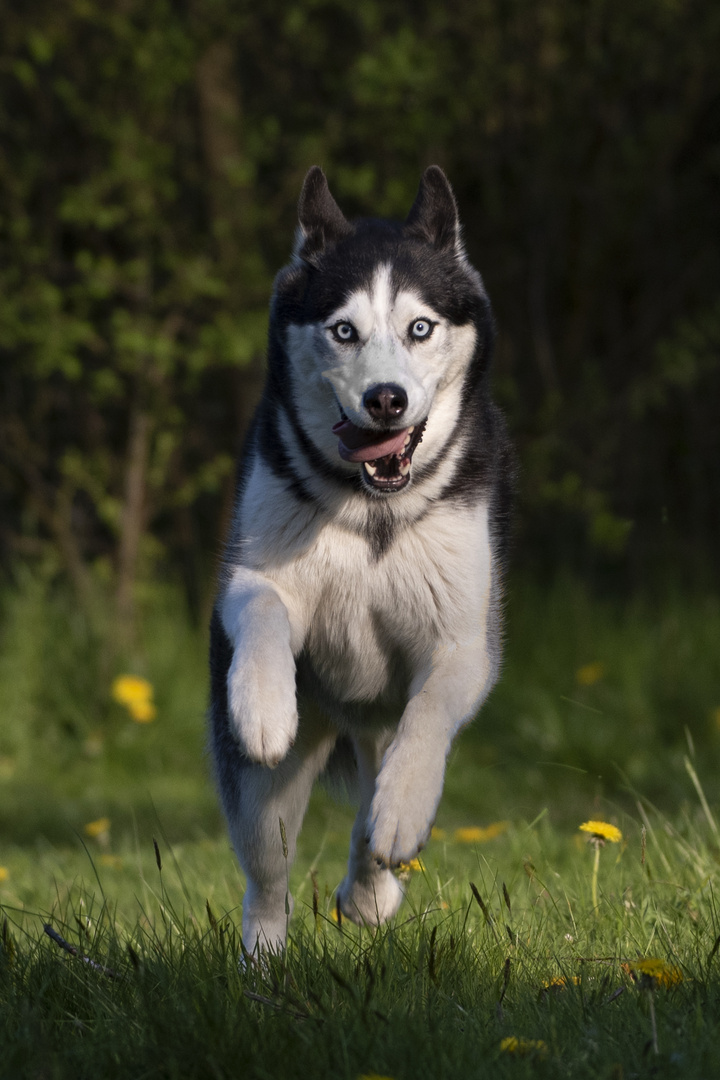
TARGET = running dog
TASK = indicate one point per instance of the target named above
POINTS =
(363, 567)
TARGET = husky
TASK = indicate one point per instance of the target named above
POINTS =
(358, 617)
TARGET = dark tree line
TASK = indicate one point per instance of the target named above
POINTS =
(151, 155)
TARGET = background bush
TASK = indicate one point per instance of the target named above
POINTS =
(152, 155)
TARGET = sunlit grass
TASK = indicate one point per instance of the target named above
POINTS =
(497, 941)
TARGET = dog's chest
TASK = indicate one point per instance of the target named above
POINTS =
(368, 623)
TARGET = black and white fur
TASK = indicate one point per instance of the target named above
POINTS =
(374, 594)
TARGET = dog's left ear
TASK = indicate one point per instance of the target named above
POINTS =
(434, 214)
(322, 222)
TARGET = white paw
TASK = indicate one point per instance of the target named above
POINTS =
(407, 793)
(262, 703)
(372, 902)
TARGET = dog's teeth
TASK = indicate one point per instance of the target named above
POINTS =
(411, 429)
(404, 469)
(407, 442)
(372, 469)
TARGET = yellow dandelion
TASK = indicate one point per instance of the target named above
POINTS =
(437, 834)
(414, 864)
(523, 1047)
(127, 688)
(142, 712)
(589, 674)
(655, 972)
(600, 831)
(4, 873)
(471, 834)
(136, 695)
(97, 828)
(374, 1076)
(715, 716)
(476, 834)
(561, 982)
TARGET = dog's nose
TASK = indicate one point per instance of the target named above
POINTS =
(386, 401)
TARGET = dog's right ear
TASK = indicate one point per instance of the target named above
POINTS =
(322, 222)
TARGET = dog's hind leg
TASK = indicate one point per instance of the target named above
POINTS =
(260, 800)
(369, 893)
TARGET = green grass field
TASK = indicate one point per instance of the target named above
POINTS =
(605, 711)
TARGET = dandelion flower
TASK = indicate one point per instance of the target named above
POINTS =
(522, 1047)
(561, 982)
(439, 834)
(97, 828)
(143, 712)
(374, 1076)
(129, 688)
(414, 864)
(655, 972)
(600, 831)
(589, 674)
(476, 834)
(4, 873)
(136, 695)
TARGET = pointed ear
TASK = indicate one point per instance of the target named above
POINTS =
(434, 214)
(322, 221)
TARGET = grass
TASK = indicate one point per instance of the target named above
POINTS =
(432, 995)
(599, 701)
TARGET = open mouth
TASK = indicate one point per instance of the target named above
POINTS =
(385, 456)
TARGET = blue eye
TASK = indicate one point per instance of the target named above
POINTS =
(344, 332)
(421, 329)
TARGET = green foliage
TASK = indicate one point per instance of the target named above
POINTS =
(115, 304)
(152, 158)
(69, 753)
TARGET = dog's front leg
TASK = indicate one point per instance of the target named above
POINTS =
(368, 893)
(262, 702)
(443, 698)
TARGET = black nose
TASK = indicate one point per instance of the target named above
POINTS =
(386, 401)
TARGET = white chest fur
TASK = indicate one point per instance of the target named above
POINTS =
(355, 615)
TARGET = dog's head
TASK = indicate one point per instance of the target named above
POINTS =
(389, 314)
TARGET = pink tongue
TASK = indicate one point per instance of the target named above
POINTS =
(356, 444)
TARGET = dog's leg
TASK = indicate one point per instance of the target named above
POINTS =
(443, 697)
(259, 800)
(261, 695)
(369, 893)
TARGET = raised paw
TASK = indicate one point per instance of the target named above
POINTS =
(262, 704)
